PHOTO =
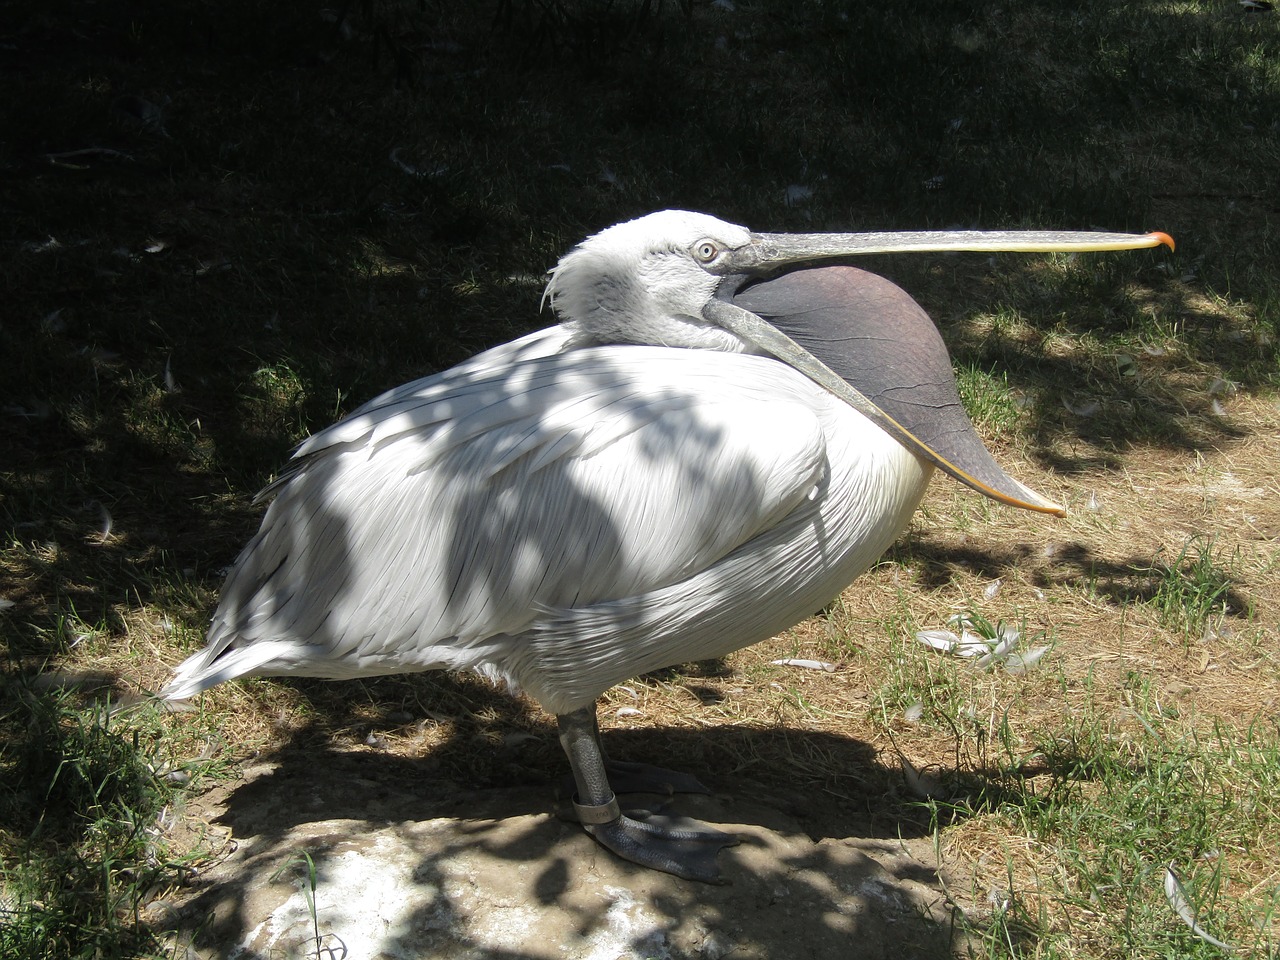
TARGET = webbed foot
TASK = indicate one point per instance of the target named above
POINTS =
(675, 845)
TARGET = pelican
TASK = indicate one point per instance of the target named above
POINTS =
(701, 453)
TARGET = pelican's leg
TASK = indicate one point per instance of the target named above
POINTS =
(687, 851)
(627, 776)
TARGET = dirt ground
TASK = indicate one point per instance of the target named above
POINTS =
(409, 866)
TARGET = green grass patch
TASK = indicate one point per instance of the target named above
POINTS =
(1196, 586)
(1121, 803)
(81, 833)
(988, 399)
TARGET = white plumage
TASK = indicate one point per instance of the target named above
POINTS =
(561, 521)
(664, 477)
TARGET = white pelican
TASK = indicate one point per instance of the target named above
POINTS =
(685, 465)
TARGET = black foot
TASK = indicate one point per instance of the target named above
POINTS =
(673, 845)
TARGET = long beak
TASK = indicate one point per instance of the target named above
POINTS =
(774, 250)
(771, 252)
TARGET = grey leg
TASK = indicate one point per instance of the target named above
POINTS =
(682, 848)
(626, 776)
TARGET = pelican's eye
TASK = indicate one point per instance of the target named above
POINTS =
(705, 251)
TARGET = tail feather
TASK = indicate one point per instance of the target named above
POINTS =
(207, 668)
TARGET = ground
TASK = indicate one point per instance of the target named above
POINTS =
(406, 866)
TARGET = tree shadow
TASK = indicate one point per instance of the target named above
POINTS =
(809, 873)
(1119, 581)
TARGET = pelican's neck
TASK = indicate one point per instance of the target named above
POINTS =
(607, 298)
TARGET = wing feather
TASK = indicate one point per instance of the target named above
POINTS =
(434, 529)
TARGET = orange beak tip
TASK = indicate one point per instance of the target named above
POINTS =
(1160, 237)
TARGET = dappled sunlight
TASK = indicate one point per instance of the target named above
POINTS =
(449, 868)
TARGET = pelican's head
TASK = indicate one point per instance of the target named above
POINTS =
(671, 278)
(648, 281)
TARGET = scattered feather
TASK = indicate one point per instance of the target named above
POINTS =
(1220, 387)
(1257, 6)
(942, 640)
(805, 664)
(1020, 663)
(1218, 409)
(170, 385)
(629, 691)
(968, 644)
(630, 712)
(992, 589)
(914, 712)
(6, 604)
(986, 651)
(156, 246)
(972, 645)
(104, 523)
(1082, 408)
(1177, 897)
(999, 651)
(1154, 351)
(926, 786)
(607, 177)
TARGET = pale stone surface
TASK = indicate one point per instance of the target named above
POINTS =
(447, 873)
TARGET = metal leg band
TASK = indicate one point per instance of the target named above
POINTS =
(605, 812)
